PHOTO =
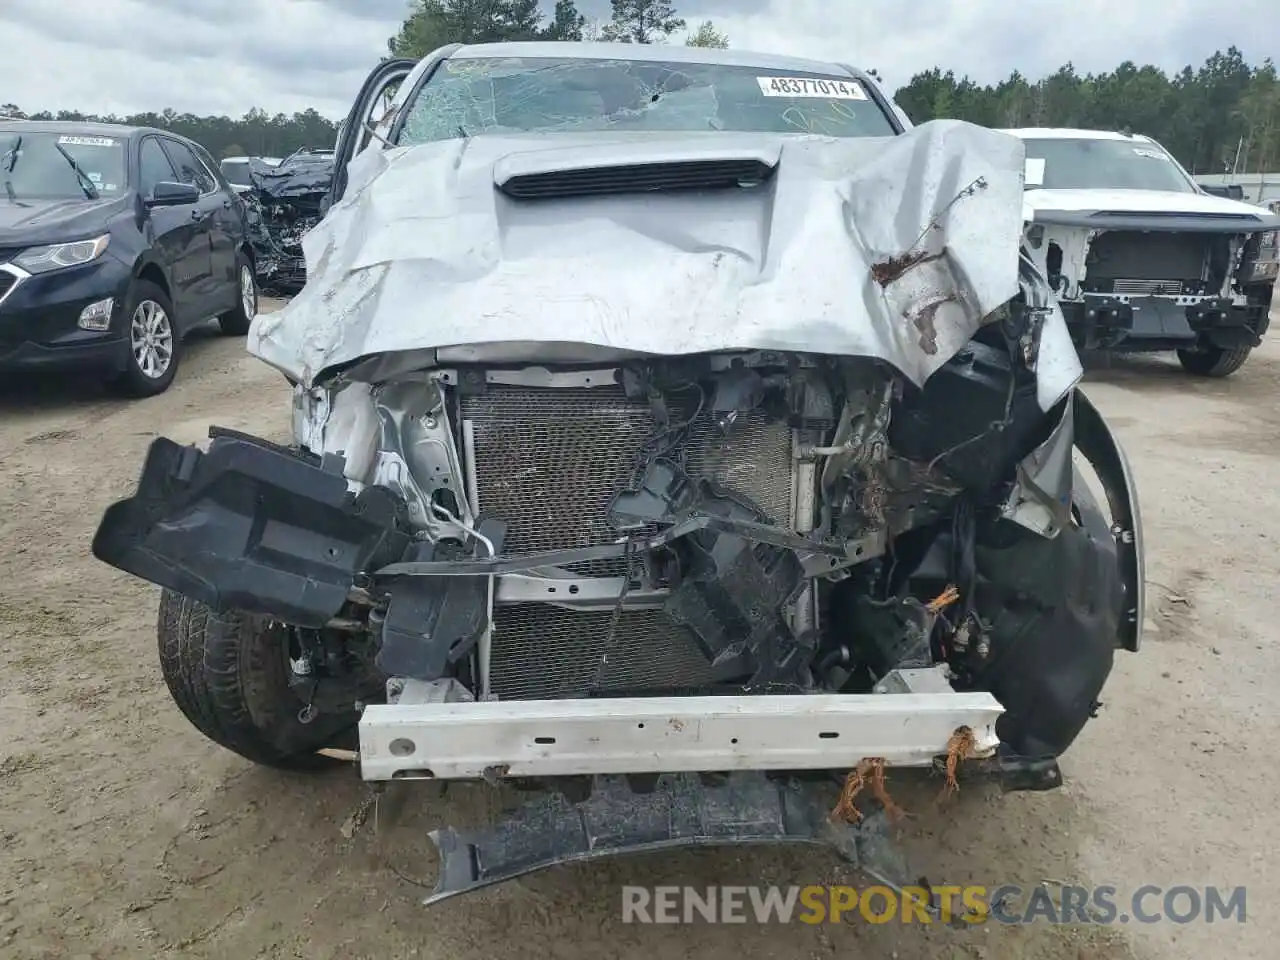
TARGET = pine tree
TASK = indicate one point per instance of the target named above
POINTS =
(566, 23)
(642, 21)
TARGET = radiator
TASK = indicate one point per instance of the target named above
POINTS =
(1155, 255)
(548, 461)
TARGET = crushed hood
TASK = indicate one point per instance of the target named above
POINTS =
(305, 178)
(487, 249)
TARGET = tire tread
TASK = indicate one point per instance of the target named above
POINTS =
(1214, 362)
(222, 675)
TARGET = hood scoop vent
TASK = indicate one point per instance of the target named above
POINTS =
(556, 175)
(638, 178)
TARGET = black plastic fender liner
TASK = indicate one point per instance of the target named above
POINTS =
(1054, 609)
(1057, 608)
(1098, 445)
(682, 810)
(252, 526)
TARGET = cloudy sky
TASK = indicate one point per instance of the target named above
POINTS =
(225, 56)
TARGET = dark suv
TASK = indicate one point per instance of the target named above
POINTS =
(115, 241)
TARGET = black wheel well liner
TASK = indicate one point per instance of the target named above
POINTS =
(150, 271)
(1094, 440)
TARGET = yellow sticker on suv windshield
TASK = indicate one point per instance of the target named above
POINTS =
(824, 88)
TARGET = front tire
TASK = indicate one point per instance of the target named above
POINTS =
(151, 340)
(235, 323)
(229, 675)
(1214, 361)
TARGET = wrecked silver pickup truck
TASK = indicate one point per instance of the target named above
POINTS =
(675, 430)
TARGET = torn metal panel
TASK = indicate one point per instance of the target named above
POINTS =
(1041, 495)
(299, 179)
(425, 255)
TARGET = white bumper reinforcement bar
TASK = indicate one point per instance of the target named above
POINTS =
(548, 738)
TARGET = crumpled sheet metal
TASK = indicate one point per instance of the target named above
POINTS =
(423, 253)
(305, 178)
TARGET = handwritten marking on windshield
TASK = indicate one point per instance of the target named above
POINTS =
(827, 119)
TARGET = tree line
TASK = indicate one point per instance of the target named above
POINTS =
(434, 23)
(256, 134)
(1221, 116)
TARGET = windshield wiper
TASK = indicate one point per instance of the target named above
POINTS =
(10, 157)
(86, 183)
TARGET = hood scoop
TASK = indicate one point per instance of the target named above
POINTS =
(631, 168)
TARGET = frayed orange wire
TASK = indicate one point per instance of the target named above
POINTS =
(943, 600)
(868, 773)
(960, 747)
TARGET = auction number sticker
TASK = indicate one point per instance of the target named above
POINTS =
(1149, 153)
(816, 88)
(87, 141)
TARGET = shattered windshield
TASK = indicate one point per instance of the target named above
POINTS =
(59, 166)
(467, 97)
(1082, 164)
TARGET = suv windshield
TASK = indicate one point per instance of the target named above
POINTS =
(43, 166)
(1080, 164)
(466, 97)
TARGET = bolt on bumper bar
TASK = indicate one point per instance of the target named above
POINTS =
(554, 738)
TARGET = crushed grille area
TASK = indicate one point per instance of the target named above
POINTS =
(549, 461)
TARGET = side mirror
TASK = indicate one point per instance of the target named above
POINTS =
(167, 194)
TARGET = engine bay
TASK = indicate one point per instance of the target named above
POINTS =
(718, 525)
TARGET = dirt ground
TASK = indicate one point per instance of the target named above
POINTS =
(123, 833)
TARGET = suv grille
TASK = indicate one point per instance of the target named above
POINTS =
(1148, 288)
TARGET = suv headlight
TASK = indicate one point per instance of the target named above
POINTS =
(58, 255)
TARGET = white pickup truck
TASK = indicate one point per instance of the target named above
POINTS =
(1142, 258)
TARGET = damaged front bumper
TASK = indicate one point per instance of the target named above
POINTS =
(623, 816)
(565, 738)
(1154, 322)
(252, 526)
(256, 527)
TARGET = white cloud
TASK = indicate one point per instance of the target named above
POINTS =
(225, 56)
(203, 56)
(988, 39)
